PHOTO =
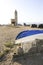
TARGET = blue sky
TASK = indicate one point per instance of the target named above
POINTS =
(29, 11)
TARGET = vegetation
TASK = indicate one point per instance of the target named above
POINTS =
(7, 50)
(1, 54)
(34, 26)
(9, 44)
(40, 26)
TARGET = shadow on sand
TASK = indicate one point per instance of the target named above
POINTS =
(29, 59)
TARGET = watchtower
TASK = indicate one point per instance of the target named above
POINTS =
(15, 17)
(14, 21)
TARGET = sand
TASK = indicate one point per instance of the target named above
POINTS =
(9, 33)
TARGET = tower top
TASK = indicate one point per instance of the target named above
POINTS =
(15, 11)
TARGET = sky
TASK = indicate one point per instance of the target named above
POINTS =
(29, 11)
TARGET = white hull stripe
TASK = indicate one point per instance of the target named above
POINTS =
(29, 38)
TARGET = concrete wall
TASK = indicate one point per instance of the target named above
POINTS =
(33, 46)
(30, 47)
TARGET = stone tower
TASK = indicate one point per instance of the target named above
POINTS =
(15, 17)
(14, 21)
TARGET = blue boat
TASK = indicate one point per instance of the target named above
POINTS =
(29, 35)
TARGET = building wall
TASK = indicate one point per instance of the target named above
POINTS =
(13, 21)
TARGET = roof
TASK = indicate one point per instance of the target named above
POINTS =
(28, 33)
